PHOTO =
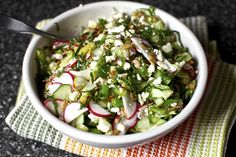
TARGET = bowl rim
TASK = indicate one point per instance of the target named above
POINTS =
(88, 138)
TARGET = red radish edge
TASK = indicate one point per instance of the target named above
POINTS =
(134, 113)
(115, 121)
(96, 113)
(57, 43)
(72, 77)
(133, 125)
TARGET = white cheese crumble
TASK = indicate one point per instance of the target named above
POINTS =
(99, 37)
(117, 15)
(167, 48)
(157, 81)
(93, 118)
(126, 66)
(115, 109)
(110, 58)
(118, 43)
(121, 127)
(143, 97)
(119, 62)
(93, 65)
(117, 29)
(151, 69)
(57, 56)
(104, 125)
(138, 77)
(173, 104)
(92, 24)
(99, 81)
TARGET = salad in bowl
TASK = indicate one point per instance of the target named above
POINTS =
(124, 74)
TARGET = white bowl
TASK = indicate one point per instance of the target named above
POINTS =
(70, 22)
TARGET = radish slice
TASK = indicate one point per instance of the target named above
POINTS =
(130, 108)
(72, 111)
(115, 121)
(52, 108)
(84, 73)
(71, 64)
(57, 43)
(52, 87)
(141, 48)
(128, 123)
(97, 110)
(65, 78)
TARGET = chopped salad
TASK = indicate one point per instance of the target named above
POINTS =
(123, 74)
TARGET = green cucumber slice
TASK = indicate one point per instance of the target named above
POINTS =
(62, 92)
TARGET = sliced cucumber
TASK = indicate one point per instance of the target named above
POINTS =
(82, 127)
(143, 124)
(78, 121)
(159, 101)
(157, 93)
(62, 92)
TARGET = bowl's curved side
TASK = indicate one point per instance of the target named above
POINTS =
(92, 11)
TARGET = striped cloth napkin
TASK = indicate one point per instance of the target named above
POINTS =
(204, 134)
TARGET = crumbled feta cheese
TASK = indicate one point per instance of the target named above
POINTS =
(99, 81)
(117, 29)
(132, 31)
(126, 66)
(99, 37)
(92, 24)
(138, 77)
(143, 97)
(109, 41)
(157, 81)
(115, 109)
(74, 96)
(109, 81)
(93, 118)
(57, 56)
(96, 58)
(167, 48)
(118, 43)
(163, 62)
(119, 62)
(121, 127)
(151, 69)
(109, 25)
(98, 51)
(141, 19)
(159, 55)
(117, 15)
(173, 104)
(110, 58)
(52, 64)
(93, 65)
(124, 75)
(111, 86)
(104, 125)
(150, 79)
